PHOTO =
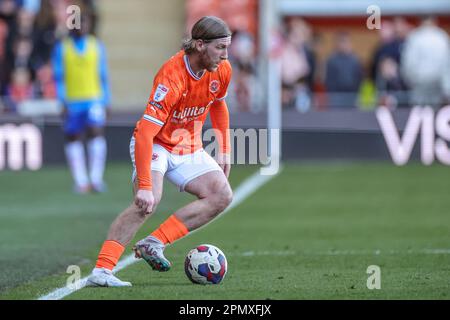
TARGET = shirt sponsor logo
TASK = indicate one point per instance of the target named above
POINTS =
(160, 93)
(189, 112)
(214, 86)
(24, 149)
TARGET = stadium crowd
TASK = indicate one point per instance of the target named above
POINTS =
(29, 30)
(410, 65)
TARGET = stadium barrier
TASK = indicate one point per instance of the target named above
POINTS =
(417, 134)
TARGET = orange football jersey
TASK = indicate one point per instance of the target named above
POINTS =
(177, 109)
(180, 102)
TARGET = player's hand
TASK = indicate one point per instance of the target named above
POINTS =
(224, 162)
(144, 200)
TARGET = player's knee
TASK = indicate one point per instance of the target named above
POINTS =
(224, 198)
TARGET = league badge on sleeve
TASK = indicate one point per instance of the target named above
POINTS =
(160, 93)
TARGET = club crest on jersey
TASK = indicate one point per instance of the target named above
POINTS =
(155, 156)
(214, 86)
(160, 93)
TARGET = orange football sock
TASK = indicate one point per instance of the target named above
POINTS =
(109, 254)
(170, 230)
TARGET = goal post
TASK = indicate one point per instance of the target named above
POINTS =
(270, 78)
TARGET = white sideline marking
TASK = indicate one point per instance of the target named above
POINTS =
(340, 252)
(65, 291)
(244, 190)
(275, 253)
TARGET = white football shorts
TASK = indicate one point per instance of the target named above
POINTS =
(179, 169)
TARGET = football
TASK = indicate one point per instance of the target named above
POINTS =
(205, 264)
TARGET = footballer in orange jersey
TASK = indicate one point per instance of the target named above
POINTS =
(167, 143)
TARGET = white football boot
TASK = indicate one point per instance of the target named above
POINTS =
(101, 277)
(151, 250)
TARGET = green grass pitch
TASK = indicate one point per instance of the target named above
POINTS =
(310, 233)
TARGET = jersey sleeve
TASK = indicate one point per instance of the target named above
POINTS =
(220, 121)
(219, 111)
(225, 78)
(164, 96)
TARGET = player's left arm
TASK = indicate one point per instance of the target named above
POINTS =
(220, 120)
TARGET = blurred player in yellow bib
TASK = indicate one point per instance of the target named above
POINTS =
(80, 68)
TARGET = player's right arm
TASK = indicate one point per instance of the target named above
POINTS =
(163, 97)
(143, 150)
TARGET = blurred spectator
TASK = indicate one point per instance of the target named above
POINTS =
(446, 83)
(17, 58)
(8, 7)
(44, 85)
(298, 65)
(25, 22)
(343, 75)
(20, 89)
(32, 6)
(29, 30)
(44, 34)
(385, 70)
(8, 12)
(243, 58)
(3, 35)
(392, 37)
(19, 16)
(23, 46)
(301, 37)
(401, 31)
(91, 6)
(385, 48)
(425, 61)
(390, 86)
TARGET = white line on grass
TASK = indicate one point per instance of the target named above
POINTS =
(65, 291)
(244, 190)
(341, 252)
